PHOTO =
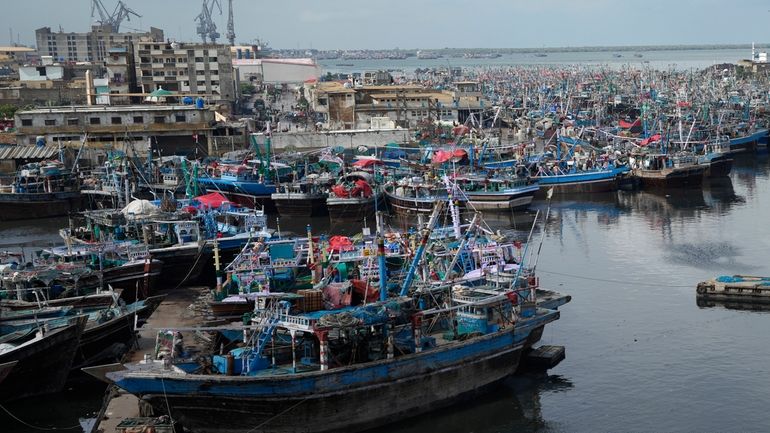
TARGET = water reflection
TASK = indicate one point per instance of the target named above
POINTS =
(513, 406)
(733, 305)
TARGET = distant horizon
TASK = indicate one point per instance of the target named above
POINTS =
(496, 24)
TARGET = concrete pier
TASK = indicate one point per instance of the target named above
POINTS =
(181, 308)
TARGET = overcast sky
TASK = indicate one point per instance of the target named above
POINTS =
(327, 24)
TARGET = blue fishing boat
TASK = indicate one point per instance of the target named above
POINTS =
(748, 140)
(595, 180)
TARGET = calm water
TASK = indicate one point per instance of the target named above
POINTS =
(660, 59)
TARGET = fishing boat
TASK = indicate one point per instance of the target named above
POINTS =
(353, 197)
(304, 198)
(580, 181)
(40, 190)
(413, 195)
(669, 171)
(498, 192)
(43, 359)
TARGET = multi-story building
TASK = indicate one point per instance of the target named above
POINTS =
(346, 106)
(204, 70)
(121, 74)
(89, 46)
(171, 129)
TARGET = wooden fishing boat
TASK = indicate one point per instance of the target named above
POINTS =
(40, 190)
(497, 193)
(667, 171)
(300, 199)
(42, 361)
(353, 197)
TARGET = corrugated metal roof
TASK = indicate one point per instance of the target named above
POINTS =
(28, 152)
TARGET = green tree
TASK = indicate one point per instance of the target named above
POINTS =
(248, 89)
(8, 110)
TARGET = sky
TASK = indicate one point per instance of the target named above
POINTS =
(386, 24)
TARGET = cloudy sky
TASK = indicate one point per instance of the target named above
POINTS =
(326, 24)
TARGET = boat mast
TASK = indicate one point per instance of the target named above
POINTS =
(421, 248)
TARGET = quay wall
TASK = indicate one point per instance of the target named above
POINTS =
(348, 139)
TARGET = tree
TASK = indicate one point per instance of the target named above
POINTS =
(8, 110)
(248, 89)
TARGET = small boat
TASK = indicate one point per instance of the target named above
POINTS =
(497, 193)
(43, 360)
(99, 300)
(738, 288)
(581, 181)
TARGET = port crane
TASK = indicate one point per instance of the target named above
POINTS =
(114, 19)
(207, 28)
(230, 23)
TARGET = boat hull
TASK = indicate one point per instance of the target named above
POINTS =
(382, 391)
(580, 186)
(516, 200)
(410, 206)
(42, 366)
(300, 205)
(181, 264)
(671, 178)
(106, 342)
(42, 205)
(350, 208)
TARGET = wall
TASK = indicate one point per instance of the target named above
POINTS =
(347, 139)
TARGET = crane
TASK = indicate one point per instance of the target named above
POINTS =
(207, 28)
(230, 23)
(114, 19)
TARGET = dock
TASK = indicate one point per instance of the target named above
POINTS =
(181, 308)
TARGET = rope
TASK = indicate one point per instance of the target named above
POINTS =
(276, 416)
(37, 427)
(616, 281)
(192, 268)
(168, 407)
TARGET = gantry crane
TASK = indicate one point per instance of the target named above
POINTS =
(114, 19)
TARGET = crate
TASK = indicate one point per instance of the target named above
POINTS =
(161, 424)
(311, 300)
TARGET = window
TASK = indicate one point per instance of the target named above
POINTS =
(180, 118)
(159, 119)
(72, 122)
(199, 60)
(50, 122)
(26, 122)
(215, 83)
(95, 121)
(213, 59)
(116, 120)
(200, 83)
(138, 119)
(200, 73)
(146, 73)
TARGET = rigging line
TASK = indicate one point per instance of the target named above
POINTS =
(279, 414)
(36, 427)
(614, 281)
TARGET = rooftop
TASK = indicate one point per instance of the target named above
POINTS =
(108, 108)
(16, 49)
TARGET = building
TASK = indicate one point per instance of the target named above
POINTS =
(16, 54)
(344, 106)
(276, 71)
(172, 129)
(121, 74)
(91, 46)
(204, 70)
